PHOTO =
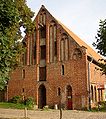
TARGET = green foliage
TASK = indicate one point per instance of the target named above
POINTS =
(12, 105)
(29, 102)
(101, 107)
(103, 104)
(17, 103)
(100, 43)
(16, 99)
(14, 14)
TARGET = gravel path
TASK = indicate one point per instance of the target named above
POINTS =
(51, 114)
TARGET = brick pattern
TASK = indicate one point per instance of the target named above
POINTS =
(75, 70)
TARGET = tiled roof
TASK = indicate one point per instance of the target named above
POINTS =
(90, 51)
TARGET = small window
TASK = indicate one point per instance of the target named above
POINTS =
(55, 48)
(92, 93)
(58, 92)
(23, 90)
(95, 94)
(23, 73)
(42, 73)
(43, 52)
(43, 32)
(62, 70)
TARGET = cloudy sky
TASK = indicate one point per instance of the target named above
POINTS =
(80, 16)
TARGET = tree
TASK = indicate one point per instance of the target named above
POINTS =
(14, 14)
(100, 43)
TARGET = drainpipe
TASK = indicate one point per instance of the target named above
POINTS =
(89, 78)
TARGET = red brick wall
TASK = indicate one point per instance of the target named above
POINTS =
(75, 73)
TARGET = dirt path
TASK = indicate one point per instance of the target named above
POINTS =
(52, 114)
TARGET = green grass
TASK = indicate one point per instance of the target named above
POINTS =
(12, 105)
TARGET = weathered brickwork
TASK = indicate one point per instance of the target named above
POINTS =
(68, 75)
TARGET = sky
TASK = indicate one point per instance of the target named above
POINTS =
(80, 16)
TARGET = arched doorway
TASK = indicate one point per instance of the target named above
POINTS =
(69, 97)
(42, 96)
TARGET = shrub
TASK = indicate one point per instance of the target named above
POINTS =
(16, 99)
(29, 102)
(103, 105)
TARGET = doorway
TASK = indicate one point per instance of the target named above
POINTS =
(69, 97)
(42, 96)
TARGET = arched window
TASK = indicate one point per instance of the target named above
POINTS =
(62, 69)
(34, 46)
(77, 54)
(59, 92)
(92, 93)
(31, 50)
(64, 47)
(95, 94)
(69, 90)
(53, 41)
(42, 17)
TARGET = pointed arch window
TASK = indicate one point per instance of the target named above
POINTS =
(77, 54)
(62, 69)
(69, 90)
(34, 47)
(92, 93)
(64, 47)
(95, 94)
(59, 91)
(53, 41)
(42, 18)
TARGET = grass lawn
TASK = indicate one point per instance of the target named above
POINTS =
(12, 105)
(22, 106)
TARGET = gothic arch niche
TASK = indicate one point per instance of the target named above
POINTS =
(92, 93)
(41, 96)
(69, 97)
(64, 36)
(42, 17)
(77, 54)
(64, 47)
(52, 41)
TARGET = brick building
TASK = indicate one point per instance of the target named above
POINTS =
(57, 66)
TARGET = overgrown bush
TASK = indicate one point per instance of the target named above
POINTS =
(29, 102)
(103, 106)
(16, 99)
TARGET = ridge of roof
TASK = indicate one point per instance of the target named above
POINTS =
(90, 51)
